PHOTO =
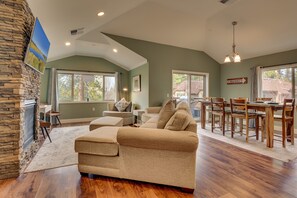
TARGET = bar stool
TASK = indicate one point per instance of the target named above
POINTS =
(44, 125)
(54, 114)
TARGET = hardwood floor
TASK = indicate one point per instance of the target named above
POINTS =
(222, 171)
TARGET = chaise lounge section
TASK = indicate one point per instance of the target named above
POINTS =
(148, 153)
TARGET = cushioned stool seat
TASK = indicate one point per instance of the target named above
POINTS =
(98, 152)
(106, 121)
(102, 141)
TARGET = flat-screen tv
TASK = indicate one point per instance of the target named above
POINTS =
(37, 51)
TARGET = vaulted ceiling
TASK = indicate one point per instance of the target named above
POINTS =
(264, 26)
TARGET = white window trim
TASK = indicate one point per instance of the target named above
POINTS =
(197, 73)
(88, 73)
(268, 68)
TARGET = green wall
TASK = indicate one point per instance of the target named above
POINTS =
(163, 59)
(81, 63)
(242, 69)
(140, 99)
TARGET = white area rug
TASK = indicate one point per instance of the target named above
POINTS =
(60, 152)
(277, 152)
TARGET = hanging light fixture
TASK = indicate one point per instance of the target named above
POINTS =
(234, 57)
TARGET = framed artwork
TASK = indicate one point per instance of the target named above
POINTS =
(137, 83)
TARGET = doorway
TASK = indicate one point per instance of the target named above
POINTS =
(190, 87)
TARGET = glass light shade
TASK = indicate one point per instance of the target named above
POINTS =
(237, 58)
(227, 59)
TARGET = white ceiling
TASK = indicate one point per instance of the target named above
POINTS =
(264, 26)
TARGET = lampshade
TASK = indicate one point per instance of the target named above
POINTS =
(227, 59)
(237, 58)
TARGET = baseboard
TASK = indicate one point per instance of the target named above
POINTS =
(76, 120)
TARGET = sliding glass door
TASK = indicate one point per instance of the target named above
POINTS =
(190, 87)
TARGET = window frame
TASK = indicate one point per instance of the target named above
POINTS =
(293, 66)
(87, 73)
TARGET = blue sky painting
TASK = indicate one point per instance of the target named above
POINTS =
(40, 39)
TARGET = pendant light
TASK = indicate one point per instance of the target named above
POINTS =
(234, 57)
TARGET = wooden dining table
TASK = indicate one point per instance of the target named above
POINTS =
(268, 108)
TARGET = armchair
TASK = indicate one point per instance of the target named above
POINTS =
(127, 115)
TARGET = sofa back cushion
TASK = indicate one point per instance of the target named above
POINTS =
(183, 106)
(192, 126)
(165, 114)
(179, 121)
(129, 107)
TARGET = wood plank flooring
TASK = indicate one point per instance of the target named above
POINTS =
(222, 171)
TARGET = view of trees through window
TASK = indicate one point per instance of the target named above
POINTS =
(279, 83)
(189, 87)
(75, 87)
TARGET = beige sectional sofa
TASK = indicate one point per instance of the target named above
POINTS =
(149, 113)
(148, 153)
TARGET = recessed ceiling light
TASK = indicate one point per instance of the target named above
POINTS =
(115, 50)
(67, 43)
(100, 13)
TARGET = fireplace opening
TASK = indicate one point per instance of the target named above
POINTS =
(29, 125)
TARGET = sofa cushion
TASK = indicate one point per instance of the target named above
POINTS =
(165, 114)
(159, 139)
(179, 121)
(129, 107)
(118, 114)
(101, 141)
(151, 125)
(183, 106)
(106, 121)
(122, 105)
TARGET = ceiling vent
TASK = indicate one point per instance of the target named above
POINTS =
(227, 2)
(77, 31)
(224, 1)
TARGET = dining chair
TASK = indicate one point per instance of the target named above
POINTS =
(208, 108)
(287, 120)
(218, 110)
(240, 110)
(262, 117)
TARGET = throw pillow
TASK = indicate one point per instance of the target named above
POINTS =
(183, 106)
(165, 114)
(179, 121)
(122, 105)
(129, 107)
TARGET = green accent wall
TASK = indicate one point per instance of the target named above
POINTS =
(140, 99)
(81, 63)
(82, 110)
(243, 69)
(163, 59)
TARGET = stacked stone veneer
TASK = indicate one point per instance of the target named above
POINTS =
(18, 82)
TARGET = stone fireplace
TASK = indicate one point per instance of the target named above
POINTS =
(19, 84)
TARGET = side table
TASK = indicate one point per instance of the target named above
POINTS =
(137, 113)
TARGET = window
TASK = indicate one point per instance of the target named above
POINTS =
(84, 87)
(278, 82)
